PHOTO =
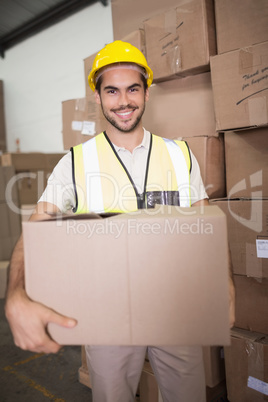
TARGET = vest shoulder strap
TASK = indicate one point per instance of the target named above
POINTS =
(186, 152)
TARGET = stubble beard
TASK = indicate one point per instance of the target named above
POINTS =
(119, 127)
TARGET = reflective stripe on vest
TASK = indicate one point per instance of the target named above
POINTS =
(102, 184)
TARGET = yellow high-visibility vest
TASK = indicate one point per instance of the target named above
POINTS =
(103, 184)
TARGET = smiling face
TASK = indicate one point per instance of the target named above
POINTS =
(122, 97)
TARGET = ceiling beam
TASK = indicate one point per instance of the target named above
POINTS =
(44, 20)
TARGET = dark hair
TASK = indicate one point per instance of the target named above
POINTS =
(99, 82)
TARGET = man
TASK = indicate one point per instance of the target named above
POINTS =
(135, 162)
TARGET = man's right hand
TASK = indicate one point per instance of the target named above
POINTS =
(28, 321)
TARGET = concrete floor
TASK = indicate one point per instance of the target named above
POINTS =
(31, 377)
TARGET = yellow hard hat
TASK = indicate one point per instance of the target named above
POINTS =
(118, 52)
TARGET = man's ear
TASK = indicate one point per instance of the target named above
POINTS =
(97, 97)
(146, 94)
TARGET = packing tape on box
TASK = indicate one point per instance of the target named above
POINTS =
(257, 110)
(256, 363)
(245, 60)
(171, 21)
(258, 385)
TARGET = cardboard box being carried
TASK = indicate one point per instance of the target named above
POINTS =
(246, 159)
(251, 303)
(239, 82)
(247, 233)
(180, 41)
(246, 362)
(240, 23)
(181, 108)
(170, 257)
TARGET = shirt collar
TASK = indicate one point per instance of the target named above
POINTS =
(144, 144)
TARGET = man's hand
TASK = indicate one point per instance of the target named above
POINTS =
(28, 321)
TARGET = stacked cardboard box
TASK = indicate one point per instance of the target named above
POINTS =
(2, 119)
(179, 35)
(246, 209)
(10, 228)
(180, 41)
(240, 24)
(128, 15)
(239, 82)
(240, 70)
(31, 173)
(3, 277)
(246, 366)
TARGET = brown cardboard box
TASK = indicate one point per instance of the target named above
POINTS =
(209, 152)
(116, 306)
(240, 81)
(137, 39)
(240, 23)
(246, 159)
(3, 277)
(7, 174)
(148, 387)
(181, 108)
(247, 230)
(24, 161)
(2, 119)
(81, 119)
(10, 230)
(32, 161)
(128, 15)
(31, 185)
(214, 365)
(88, 62)
(246, 363)
(251, 303)
(83, 373)
(181, 40)
(10, 227)
(31, 173)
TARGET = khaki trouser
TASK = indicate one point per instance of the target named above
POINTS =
(115, 372)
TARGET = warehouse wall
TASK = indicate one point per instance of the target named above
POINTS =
(42, 71)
